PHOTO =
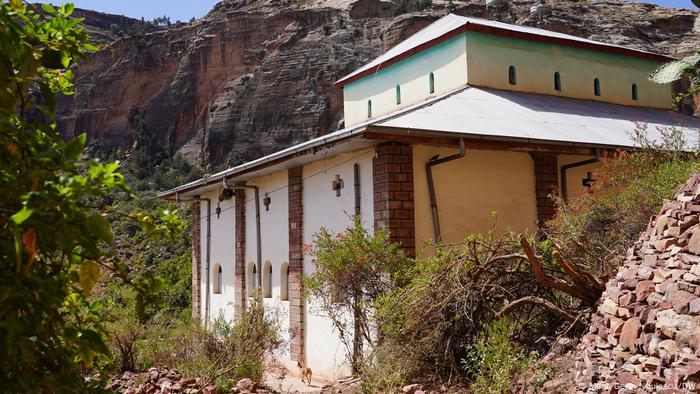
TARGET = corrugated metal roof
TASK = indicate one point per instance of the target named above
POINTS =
(451, 23)
(487, 114)
(536, 117)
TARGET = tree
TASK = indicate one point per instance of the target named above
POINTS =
(353, 270)
(54, 210)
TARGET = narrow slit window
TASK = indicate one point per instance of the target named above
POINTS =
(511, 75)
(267, 280)
(635, 92)
(596, 87)
(398, 94)
(250, 278)
(557, 81)
(284, 282)
(218, 280)
(431, 81)
(369, 108)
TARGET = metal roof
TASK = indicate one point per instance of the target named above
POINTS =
(472, 112)
(451, 25)
(497, 114)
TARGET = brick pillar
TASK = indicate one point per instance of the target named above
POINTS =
(239, 296)
(196, 261)
(546, 181)
(296, 263)
(393, 193)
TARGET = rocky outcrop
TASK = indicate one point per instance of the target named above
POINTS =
(254, 77)
(645, 334)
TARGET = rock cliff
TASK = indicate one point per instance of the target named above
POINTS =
(253, 77)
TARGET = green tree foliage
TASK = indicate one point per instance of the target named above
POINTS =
(354, 270)
(54, 213)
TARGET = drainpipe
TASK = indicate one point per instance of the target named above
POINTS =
(208, 257)
(435, 160)
(564, 168)
(356, 169)
(257, 225)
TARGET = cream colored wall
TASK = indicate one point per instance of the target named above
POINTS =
(325, 354)
(447, 62)
(574, 176)
(490, 56)
(469, 189)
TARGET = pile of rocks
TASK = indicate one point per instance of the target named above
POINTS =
(158, 381)
(645, 335)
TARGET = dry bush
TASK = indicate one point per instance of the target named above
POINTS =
(223, 354)
(432, 322)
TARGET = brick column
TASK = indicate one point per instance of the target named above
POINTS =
(240, 295)
(196, 261)
(296, 263)
(393, 193)
(546, 181)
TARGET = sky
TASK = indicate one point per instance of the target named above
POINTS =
(185, 9)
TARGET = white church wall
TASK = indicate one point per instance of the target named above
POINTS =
(274, 239)
(222, 253)
(325, 354)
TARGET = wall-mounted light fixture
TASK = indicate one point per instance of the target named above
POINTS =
(337, 184)
(266, 201)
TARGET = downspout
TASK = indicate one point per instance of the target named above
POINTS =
(356, 169)
(431, 186)
(564, 168)
(208, 257)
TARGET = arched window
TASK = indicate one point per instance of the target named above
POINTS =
(635, 93)
(218, 278)
(511, 75)
(251, 274)
(557, 81)
(369, 108)
(431, 81)
(267, 280)
(284, 282)
(596, 87)
(398, 94)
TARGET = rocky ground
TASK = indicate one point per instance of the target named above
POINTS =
(254, 77)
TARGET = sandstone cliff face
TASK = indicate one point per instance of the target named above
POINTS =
(250, 79)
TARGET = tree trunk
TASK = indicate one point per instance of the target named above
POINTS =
(357, 339)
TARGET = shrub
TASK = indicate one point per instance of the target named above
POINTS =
(353, 270)
(494, 360)
(433, 321)
(222, 354)
(595, 230)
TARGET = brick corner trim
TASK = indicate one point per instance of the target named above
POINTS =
(196, 261)
(296, 263)
(546, 182)
(239, 297)
(393, 193)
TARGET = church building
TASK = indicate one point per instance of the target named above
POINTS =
(465, 117)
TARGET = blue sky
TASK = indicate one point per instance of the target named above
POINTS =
(185, 9)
